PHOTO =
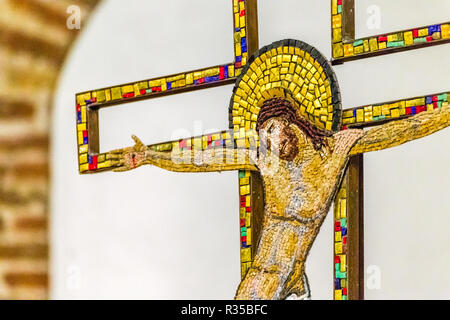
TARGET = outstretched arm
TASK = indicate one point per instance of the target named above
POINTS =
(211, 160)
(398, 132)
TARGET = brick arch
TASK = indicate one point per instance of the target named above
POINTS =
(34, 42)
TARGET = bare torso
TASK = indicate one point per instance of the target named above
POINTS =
(298, 195)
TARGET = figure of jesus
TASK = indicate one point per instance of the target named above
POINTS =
(301, 167)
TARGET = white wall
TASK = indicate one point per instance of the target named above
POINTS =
(155, 234)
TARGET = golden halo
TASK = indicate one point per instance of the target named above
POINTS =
(292, 70)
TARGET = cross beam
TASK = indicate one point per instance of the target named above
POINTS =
(345, 47)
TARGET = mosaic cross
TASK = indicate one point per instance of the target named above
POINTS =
(294, 147)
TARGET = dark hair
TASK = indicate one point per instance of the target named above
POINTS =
(277, 107)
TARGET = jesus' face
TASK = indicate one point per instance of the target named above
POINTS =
(279, 137)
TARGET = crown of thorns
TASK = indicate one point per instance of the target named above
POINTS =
(278, 107)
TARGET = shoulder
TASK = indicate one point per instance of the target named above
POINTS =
(346, 139)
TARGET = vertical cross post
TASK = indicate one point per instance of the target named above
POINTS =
(355, 208)
(252, 203)
(349, 234)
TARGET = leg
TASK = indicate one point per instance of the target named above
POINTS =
(300, 291)
(273, 264)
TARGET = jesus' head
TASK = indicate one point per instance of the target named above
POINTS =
(283, 131)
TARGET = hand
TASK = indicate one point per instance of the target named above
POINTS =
(129, 158)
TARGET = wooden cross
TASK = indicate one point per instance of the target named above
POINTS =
(348, 209)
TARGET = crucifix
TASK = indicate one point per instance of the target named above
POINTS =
(295, 149)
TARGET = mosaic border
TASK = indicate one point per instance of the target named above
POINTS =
(346, 48)
(378, 113)
(340, 247)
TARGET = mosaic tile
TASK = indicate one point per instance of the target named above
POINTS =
(340, 248)
(416, 36)
(393, 110)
